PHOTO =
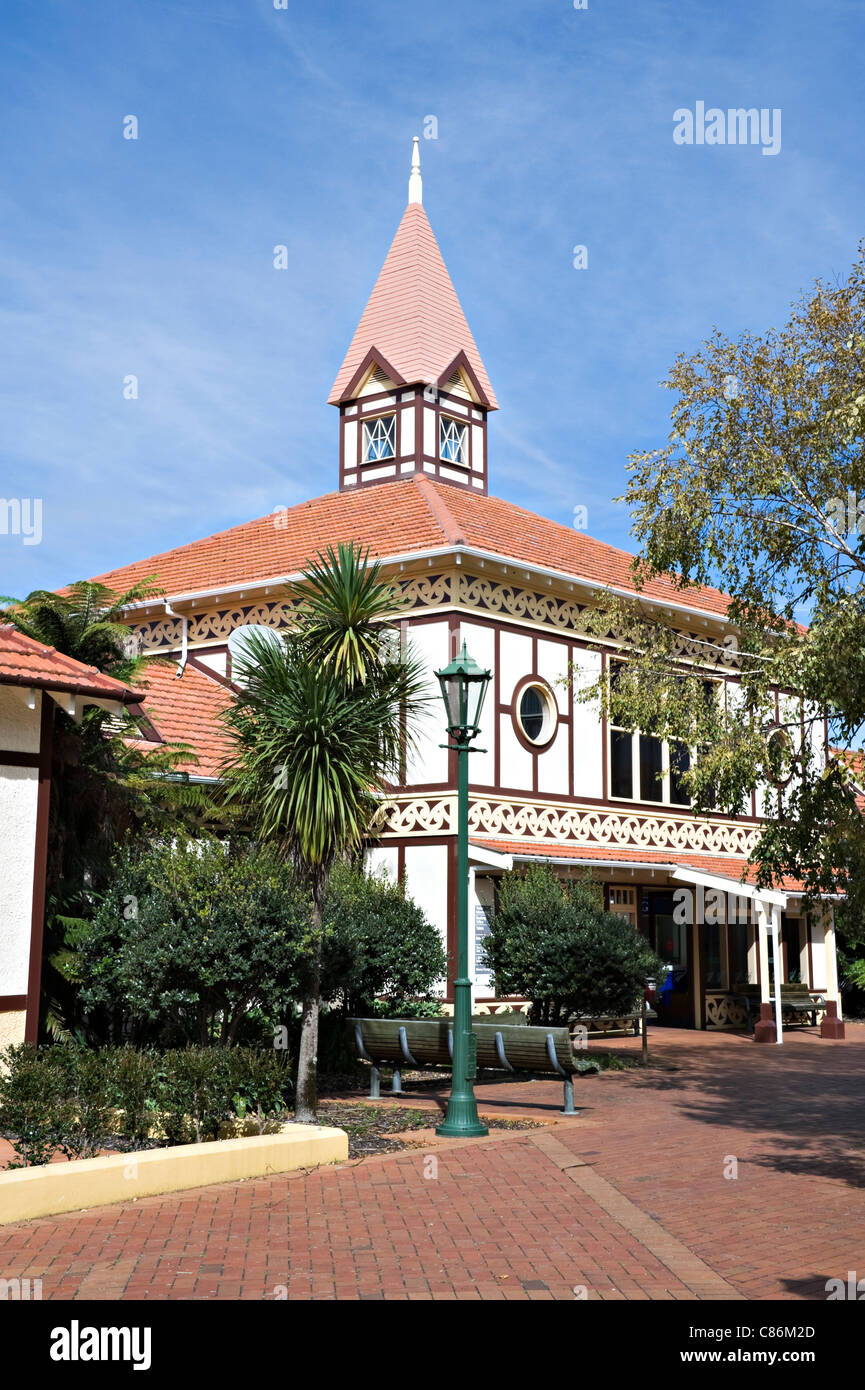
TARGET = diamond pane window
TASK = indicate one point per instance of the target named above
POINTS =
(453, 441)
(379, 439)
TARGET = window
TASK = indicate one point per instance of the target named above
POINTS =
(651, 768)
(680, 762)
(536, 715)
(711, 944)
(644, 767)
(779, 757)
(621, 763)
(623, 902)
(453, 441)
(739, 941)
(379, 438)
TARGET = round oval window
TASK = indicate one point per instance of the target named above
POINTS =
(536, 714)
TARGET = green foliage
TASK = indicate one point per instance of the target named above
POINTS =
(77, 1100)
(85, 622)
(344, 603)
(320, 727)
(191, 937)
(132, 1081)
(85, 1109)
(261, 1082)
(759, 491)
(550, 941)
(31, 1096)
(405, 1008)
(377, 942)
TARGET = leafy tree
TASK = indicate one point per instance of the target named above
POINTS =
(320, 728)
(760, 490)
(552, 941)
(190, 938)
(84, 622)
(376, 942)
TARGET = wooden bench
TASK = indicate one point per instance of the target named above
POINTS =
(627, 1021)
(419, 1043)
(796, 1000)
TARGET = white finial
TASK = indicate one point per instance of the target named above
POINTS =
(415, 185)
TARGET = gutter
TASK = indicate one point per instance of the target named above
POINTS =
(184, 637)
(508, 564)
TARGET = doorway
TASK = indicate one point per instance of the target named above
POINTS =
(671, 940)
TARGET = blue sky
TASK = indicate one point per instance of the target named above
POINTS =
(260, 127)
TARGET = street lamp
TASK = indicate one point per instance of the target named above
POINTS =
(463, 686)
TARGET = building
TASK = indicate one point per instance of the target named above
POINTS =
(555, 784)
(34, 679)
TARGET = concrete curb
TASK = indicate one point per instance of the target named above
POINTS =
(53, 1188)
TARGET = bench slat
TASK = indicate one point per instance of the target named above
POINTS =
(427, 1042)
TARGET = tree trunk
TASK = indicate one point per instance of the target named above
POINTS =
(306, 1100)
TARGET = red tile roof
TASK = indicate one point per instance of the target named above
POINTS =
(413, 316)
(24, 661)
(396, 518)
(732, 868)
(186, 709)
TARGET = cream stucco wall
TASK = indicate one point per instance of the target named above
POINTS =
(426, 878)
(11, 1029)
(428, 763)
(19, 726)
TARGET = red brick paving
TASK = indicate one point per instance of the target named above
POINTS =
(640, 1209)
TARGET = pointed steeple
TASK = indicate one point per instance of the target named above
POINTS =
(413, 325)
(415, 182)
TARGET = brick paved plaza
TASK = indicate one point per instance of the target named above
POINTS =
(628, 1201)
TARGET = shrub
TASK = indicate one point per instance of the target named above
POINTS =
(86, 1110)
(260, 1082)
(68, 1098)
(195, 1094)
(377, 942)
(132, 1078)
(552, 942)
(191, 939)
(31, 1100)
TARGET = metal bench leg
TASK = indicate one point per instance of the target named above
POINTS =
(396, 1084)
(374, 1082)
(569, 1097)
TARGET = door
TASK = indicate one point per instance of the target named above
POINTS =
(671, 940)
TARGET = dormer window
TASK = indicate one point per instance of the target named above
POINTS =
(453, 441)
(379, 438)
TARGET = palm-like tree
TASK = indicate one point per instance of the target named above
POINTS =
(84, 622)
(321, 726)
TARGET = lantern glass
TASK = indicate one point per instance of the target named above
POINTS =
(477, 689)
(463, 686)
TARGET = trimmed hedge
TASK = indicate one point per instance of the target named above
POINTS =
(70, 1099)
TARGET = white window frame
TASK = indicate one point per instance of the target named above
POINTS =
(369, 427)
(550, 726)
(461, 427)
(665, 780)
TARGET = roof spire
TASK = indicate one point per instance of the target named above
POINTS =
(415, 184)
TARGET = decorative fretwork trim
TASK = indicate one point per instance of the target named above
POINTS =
(460, 590)
(573, 825)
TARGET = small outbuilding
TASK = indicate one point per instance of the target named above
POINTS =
(34, 679)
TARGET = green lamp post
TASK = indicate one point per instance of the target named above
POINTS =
(463, 686)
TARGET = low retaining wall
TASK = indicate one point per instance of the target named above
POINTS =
(95, 1182)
